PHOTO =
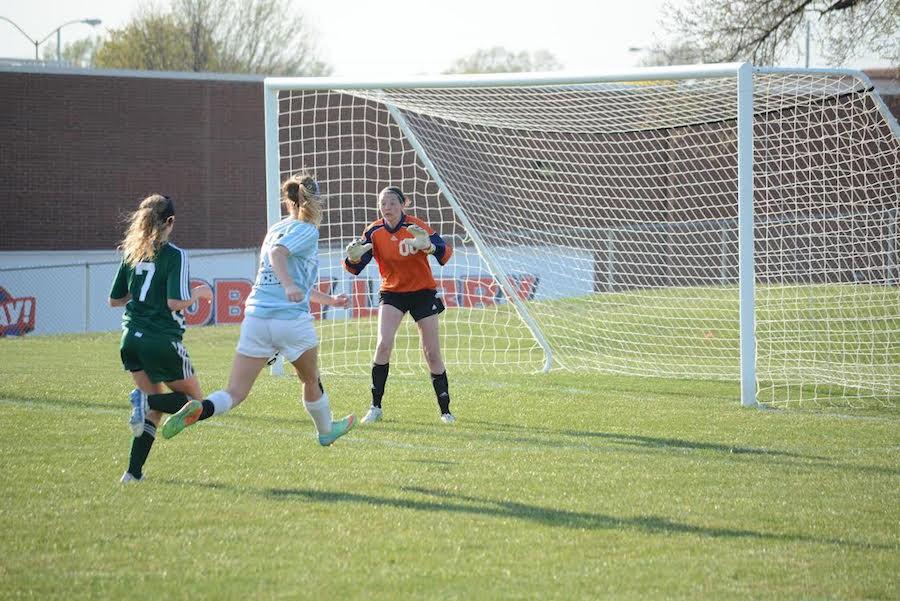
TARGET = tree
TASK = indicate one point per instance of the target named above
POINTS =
(79, 53)
(501, 60)
(765, 30)
(672, 53)
(152, 41)
(229, 36)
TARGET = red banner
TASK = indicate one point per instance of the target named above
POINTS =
(229, 296)
(16, 314)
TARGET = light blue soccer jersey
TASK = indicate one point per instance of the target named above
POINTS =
(268, 300)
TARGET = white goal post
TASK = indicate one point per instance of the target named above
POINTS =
(717, 222)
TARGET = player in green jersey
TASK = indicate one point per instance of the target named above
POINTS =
(153, 284)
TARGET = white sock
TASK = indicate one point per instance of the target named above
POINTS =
(221, 400)
(320, 411)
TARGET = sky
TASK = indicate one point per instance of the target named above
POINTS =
(413, 37)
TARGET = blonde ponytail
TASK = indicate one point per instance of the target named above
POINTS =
(300, 193)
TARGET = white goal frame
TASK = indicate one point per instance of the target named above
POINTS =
(744, 74)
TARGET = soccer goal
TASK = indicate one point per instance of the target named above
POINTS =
(717, 222)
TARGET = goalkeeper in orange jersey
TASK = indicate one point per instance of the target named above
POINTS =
(401, 245)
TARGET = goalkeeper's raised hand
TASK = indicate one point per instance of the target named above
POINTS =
(356, 249)
(419, 241)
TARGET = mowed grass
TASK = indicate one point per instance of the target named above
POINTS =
(550, 486)
(816, 345)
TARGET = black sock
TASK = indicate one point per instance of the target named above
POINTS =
(441, 390)
(170, 402)
(379, 378)
(140, 448)
(208, 410)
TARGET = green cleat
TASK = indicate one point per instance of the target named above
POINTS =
(338, 429)
(186, 416)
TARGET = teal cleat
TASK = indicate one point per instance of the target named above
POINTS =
(186, 416)
(338, 429)
(139, 409)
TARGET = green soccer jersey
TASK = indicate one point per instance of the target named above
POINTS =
(152, 284)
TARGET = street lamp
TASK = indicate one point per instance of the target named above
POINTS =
(22, 31)
(808, 19)
(91, 22)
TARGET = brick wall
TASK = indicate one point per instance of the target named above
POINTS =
(78, 152)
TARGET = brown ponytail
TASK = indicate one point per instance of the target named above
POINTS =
(146, 231)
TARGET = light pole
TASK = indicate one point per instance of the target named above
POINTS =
(637, 50)
(91, 22)
(807, 43)
(807, 17)
(22, 31)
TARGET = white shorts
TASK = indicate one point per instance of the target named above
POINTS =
(290, 337)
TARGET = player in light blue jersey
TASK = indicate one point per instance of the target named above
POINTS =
(269, 298)
(277, 317)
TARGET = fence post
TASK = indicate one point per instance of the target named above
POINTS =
(892, 277)
(87, 297)
(610, 266)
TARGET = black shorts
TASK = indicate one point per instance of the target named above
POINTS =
(420, 304)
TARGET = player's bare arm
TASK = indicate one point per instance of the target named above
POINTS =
(201, 291)
(120, 302)
(340, 301)
(278, 256)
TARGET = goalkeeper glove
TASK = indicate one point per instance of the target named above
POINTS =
(419, 241)
(356, 249)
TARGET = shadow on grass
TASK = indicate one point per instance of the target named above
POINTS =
(121, 404)
(561, 439)
(650, 442)
(678, 443)
(510, 434)
(776, 457)
(462, 504)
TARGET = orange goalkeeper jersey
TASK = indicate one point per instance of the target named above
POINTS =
(399, 272)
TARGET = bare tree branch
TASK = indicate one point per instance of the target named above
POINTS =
(766, 30)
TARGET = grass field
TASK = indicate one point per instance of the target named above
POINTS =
(817, 345)
(554, 486)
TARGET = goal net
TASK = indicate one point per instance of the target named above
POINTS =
(595, 222)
